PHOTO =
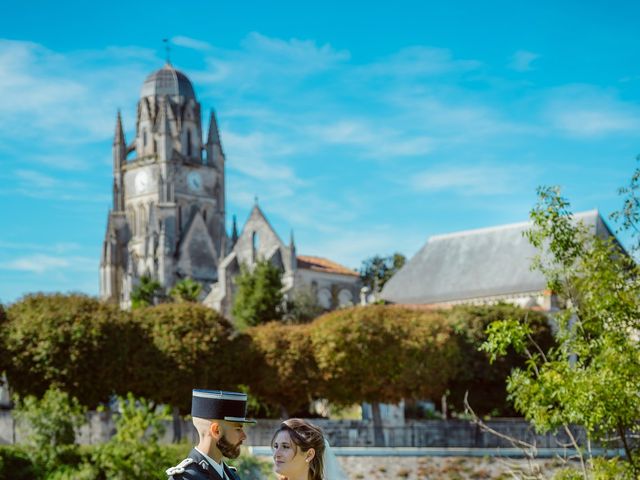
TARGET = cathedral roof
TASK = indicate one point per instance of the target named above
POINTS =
(320, 264)
(475, 264)
(167, 81)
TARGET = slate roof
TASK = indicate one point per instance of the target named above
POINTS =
(320, 264)
(474, 264)
(167, 81)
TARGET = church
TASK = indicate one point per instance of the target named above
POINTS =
(168, 218)
(480, 267)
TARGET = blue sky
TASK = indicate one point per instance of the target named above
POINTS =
(364, 127)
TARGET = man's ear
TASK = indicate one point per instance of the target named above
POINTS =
(215, 430)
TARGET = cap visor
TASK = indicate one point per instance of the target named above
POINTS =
(240, 420)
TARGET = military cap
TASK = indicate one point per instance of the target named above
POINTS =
(219, 405)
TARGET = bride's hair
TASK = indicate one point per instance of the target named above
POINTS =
(305, 436)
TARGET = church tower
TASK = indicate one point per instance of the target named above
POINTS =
(167, 221)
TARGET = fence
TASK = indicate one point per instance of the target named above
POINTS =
(341, 433)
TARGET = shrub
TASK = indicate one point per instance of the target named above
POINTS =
(51, 422)
(134, 452)
(15, 464)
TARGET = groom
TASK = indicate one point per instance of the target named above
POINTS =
(219, 418)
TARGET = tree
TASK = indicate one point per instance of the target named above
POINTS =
(383, 354)
(145, 292)
(591, 378)
(186, 290)
(288, 373)
(72, 342)
(484, 380)
(195, 350)
(258, 297)
(377, 270)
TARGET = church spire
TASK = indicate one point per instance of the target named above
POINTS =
(214, 135)
(119, 150)
(234, 232)
(119, 136)
(292, 251)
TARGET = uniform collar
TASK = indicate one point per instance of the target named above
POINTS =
(218, 467)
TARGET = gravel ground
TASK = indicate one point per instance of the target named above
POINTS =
(444, 468)
(457, 468)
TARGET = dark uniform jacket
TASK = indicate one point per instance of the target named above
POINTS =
(196, 467)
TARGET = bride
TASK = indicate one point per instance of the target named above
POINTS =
(300, 452)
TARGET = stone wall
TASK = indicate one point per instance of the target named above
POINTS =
(341, 433)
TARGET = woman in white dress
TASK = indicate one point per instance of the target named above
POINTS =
(300, 452)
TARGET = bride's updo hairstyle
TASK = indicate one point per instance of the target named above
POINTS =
(305, 436)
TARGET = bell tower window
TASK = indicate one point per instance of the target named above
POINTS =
(188, 143)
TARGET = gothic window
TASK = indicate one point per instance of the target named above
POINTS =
(204, 215)
(188, 143)
(141, 219)
(131, 215)
(155, 146)
(144, 139)
(151, 208)
(255, 245)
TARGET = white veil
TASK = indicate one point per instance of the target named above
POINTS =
(332, 469)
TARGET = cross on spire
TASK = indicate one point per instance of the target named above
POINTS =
(167, 49)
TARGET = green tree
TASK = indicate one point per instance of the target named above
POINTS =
(71, 342)
(258, 297)
(186, 290)
(288, 373)
(382, 354)
(484, 380)
(195, 349)
(377, 270)
(145, 293)
(591, 378)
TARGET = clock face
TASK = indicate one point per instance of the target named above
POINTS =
(141, 182)
(194, 181)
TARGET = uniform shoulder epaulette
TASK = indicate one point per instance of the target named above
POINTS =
(178, 469)
(232, 468)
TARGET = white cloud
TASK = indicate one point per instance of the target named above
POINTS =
(35, 184)
(374, 141)
(248, 154)
(522, 60)
(419, 61)
(191, 43)
(37, 180)
(471, 180)
(589, 112)
(306, 55)
(56, 248)
(66, 99)
(36, 263)
(351, 247)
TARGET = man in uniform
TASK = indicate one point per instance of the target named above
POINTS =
(219, 418)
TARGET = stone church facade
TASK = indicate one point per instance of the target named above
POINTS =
(168, 215)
